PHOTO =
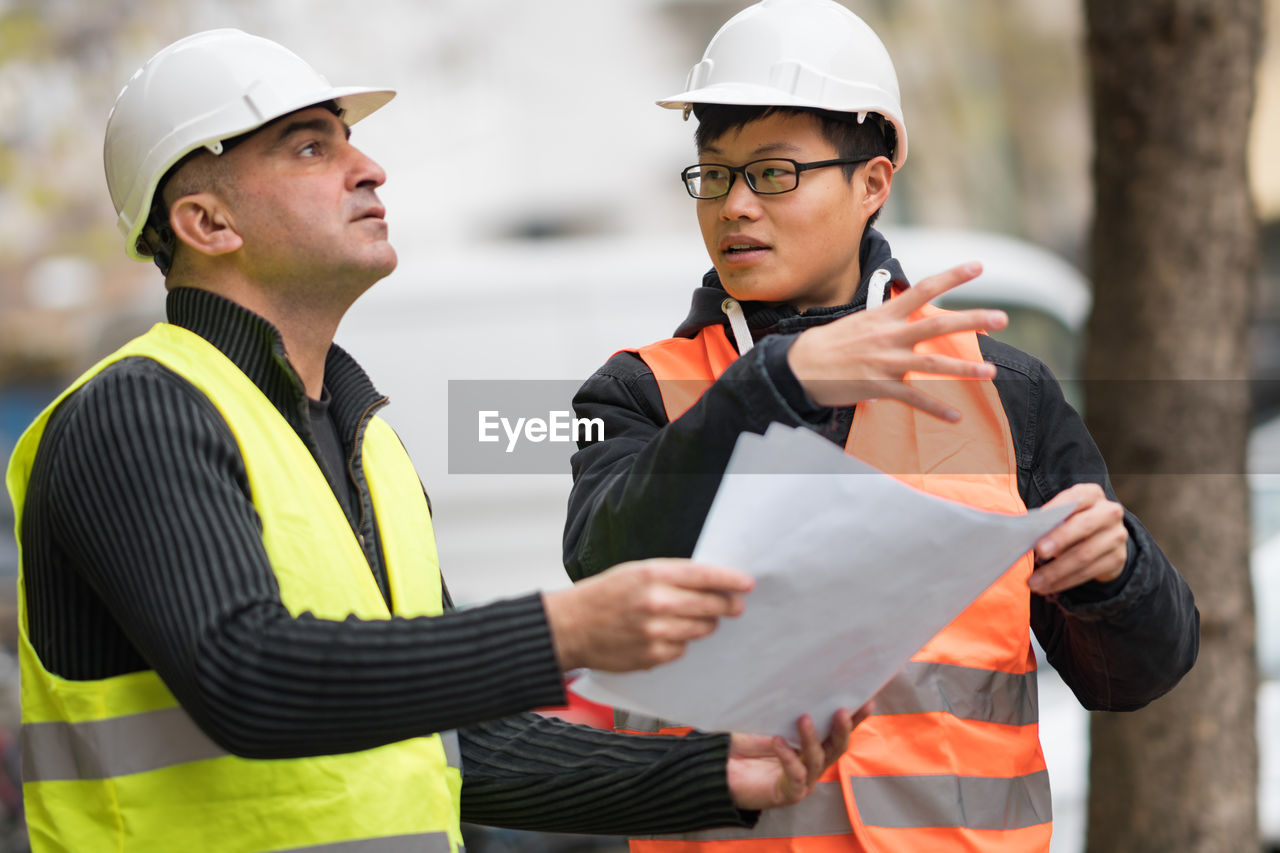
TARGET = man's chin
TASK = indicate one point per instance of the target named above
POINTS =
(369, 271)
(386, 262)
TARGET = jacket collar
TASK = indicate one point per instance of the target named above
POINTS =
(255, 346)
(767, 318)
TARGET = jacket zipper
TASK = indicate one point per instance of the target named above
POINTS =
(361, 424)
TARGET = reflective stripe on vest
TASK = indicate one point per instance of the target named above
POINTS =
(903, 802)
(950, 757)
(1006, 698)
(427, 842)
(900, 802)
(137, 743)
(116, 764)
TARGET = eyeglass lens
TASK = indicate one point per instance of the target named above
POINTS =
(711, 180)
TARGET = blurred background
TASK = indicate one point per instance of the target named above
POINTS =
(533, 196)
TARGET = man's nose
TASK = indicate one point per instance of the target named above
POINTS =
(741, 202)
(365, 171)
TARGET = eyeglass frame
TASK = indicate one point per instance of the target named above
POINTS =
(733, 170)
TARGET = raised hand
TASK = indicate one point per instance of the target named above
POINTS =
(866, 354)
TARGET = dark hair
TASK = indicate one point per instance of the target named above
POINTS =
(874, 137)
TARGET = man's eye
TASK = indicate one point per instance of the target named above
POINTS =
(711, 173)
(781, 170)
(311, 149)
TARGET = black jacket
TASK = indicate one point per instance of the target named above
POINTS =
(645, 490)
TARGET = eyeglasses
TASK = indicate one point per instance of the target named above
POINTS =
(765, 177)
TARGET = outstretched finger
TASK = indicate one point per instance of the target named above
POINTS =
(843, 722)
(928, 289)
(943, 365)
(811, 749)
(968, 320)
(794, 782)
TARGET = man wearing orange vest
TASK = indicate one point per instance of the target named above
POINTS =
(808, 320)
(232, 624)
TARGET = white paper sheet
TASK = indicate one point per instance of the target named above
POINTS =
(855, 573)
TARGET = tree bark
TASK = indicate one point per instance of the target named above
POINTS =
(1174, 262)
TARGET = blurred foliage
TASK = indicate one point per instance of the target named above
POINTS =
(61, 65)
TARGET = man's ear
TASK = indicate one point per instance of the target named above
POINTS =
(203, 222)
(877, 179)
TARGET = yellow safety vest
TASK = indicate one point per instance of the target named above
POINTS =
(117, 765)
(950, 758)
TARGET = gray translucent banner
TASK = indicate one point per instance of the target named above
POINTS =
(510, 426)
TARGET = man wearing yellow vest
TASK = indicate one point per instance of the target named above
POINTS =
(807, 319)
(233, 630)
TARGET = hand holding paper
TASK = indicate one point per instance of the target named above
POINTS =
(1092, 544)
(855, 572)
(766, 772)
(641, 614)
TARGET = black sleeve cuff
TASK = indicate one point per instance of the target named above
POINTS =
(773, 355)
(546, 775)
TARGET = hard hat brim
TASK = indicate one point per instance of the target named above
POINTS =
(357, 102)
(746, 94)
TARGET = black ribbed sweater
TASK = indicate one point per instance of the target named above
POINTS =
(142, 550)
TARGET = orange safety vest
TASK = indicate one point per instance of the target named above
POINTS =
(950, 759)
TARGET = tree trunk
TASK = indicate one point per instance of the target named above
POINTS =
(1174, 260)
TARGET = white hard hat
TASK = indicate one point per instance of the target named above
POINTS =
(199, 91)
(798, 53)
